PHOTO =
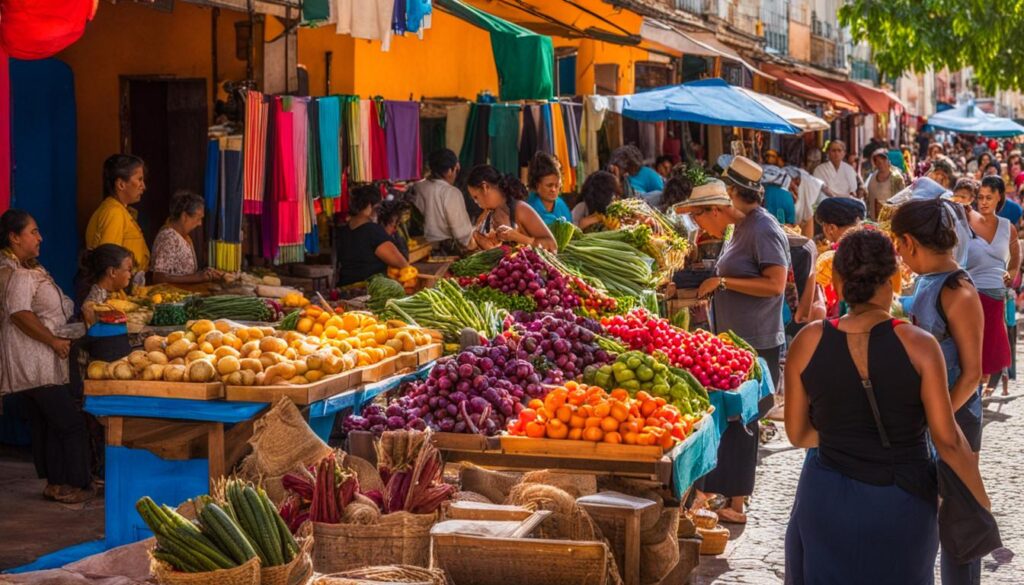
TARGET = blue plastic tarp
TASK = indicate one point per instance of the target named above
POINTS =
(708, 101)
(970, 119)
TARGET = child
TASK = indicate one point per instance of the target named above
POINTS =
(108, 269)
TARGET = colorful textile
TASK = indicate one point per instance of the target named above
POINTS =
(329, 136)
(257, 111)
(211, 181)
(403, 140)
(455, 127)
(378, 143)
(365, 146)
(561, 148)
(503, 130)
(417, 15)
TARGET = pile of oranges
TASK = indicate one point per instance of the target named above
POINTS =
(578, 412)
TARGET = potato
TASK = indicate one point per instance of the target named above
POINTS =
(279, 372)
(153, 372)
(223, 325)
(270, 359)
(315, 361)
(267, 331)
(298, 380)
(206, 347)
(138, 359)
(300, 367)
(177, 362)
(178, 349)
(255, 333)
(196, 355)
(249, 347)
(253, 365)
(202, 326)
(232, 340)
(174, 373)
(228, 365)
(174, 336)
(157, 357)
(214, 338)
(190, 336)
(307, 349)
(261, 379)
(395, 344)
(248, 377)
(291, 354)
(232, 379)
(97, 370)
(273, 344)
(314, 375)
(408, 343)
(154, 343)
(226, 350)
(201, 371)
(123, 371)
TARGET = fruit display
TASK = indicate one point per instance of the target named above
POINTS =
(382, 289)
(227, 352)
(620, 267)
(293, 300)
(714, 363)
(476, 392)
(406, 276)
(158, 294)
(578, 412)
(635, 371)
(228, 533)
(558, 345)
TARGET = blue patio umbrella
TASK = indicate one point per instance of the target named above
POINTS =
(970, 119)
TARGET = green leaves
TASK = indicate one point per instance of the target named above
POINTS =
(913, 35)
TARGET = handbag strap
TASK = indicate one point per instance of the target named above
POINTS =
(869, 390)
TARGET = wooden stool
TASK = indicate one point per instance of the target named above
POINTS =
(614, 506)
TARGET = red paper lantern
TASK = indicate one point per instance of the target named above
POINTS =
(37, 29)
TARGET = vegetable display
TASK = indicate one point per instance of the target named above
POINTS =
(558, 345)
(446, 308)
(620, 267)
(239, 308)
(712, 362)
(169, 314)
(479, 263)
(382, 289)
(578, 412)
(635, 371)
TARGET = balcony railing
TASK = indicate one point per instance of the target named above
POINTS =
(691, 6)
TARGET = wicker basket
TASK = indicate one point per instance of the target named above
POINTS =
(283, 574)
(713, 540)
(705, 519)
(477, 560)
(399, 539)
(246, 574)
(399, 574)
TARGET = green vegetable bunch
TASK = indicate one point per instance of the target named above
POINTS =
(635, 371)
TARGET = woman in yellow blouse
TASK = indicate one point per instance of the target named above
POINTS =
(114, 222)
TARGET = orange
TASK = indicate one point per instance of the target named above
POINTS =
(577, 397)
(613, 437)
(536, 404)
(554, 400)
(535, 430)
(556, 429)
(528, 415)
(630, 438)
(609, 424)
(593, 434)
(603, 409)
(564, 413)
(620, 394)
(593, 421)
(643, 396)
(619, 411)
(666, 441)
(575, 434)
(641, 438)
(648, 407)
(571, 385)
(585, 411)
(627, 427)
(577, 421)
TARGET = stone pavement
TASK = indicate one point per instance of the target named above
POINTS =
(755, 554)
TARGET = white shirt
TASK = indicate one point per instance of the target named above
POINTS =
(444, 212)
(807, 196)
(842, 182)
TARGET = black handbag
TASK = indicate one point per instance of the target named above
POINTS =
(967, 531)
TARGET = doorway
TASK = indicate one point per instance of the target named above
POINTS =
(164, 122)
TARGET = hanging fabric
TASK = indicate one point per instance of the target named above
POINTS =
(403, 140)
(378, 141)
(329, 137)
(211, 182)
(546, 133)
(530, 140)
(503, 134)
(561, 149)
(257, 111)
(366, 147)
(418, 16)
(366, 19)
(455, 127)
(398, 16)
(314, 172)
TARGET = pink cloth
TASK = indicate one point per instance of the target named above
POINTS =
(995, 347)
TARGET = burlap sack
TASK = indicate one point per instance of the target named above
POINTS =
(245, 574)
(568, 520)
(575, 484)
(493, 485)
(658, 560)
(400, 538)
(281, 440)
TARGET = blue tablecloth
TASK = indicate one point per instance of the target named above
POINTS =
(742, 402)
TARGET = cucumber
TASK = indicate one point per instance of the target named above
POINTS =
(184, 551)
(203, 546)
(267, 531)
(247, 523)
(175, 562)
(228, 535)
(290, 545)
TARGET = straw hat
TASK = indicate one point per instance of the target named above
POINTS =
(710, 193)
(744, 173)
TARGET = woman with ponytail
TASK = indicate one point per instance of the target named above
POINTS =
(504, 219)
(34, 360)
(925, 236)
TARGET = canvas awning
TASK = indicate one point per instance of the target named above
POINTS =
(970, 119)
(708, 101)
(812, 88)
(788, 111)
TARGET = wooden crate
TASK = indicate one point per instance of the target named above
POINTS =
(301, 394)
(464, 442)
(380, 370)
(580, 449)
(419, 356)
(155, 389)
(479, 560)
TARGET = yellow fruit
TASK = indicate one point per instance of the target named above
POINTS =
(323, 318)
(317, 330)
(305, 325)
(351, 321)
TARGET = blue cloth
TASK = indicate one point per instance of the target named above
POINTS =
(896, 159)
(561, 210)
(107, 330)
(174, 408)
(1012, 211)
(741, 403)
(44, 146)
(694, 457)
(329, 120)
(415, 11)
(708, 101)
(211, 180)
(970, 119)
(779, 202)
(647, 180)
(843, 531)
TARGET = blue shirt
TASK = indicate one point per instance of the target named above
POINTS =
(779, 203)
(647, 180)
(1012, 211)
(560, 210)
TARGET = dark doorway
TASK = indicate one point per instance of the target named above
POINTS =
(164, 121)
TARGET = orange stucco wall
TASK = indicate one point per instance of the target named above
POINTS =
(454, 59)
(132, 39)
(799, 41)
(592, 53)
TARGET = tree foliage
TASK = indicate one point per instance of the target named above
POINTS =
(912, 35)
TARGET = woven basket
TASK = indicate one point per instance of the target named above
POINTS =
(713, 540)
(402, 574)
(399, 539)
(246, 574)
(282, 574)
(474, 560)
(704, 518)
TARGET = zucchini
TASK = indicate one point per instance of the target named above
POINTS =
(291, 547)
(247, 522)
(175, 562)
(267, 531)
(203, 547)
(228, 533)
(183, 551)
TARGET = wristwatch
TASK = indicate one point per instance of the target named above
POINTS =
(721, 283)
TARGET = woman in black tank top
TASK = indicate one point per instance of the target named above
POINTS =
(862, 393)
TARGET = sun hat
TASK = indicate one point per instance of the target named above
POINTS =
(774, 175)
(711, 193)
(744, 173)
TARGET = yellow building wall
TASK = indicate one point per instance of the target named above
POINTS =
(454, 59)
(132, 39)
(592, 53)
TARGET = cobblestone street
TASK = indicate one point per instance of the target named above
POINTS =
(755, 555)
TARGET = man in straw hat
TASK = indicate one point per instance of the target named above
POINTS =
(748, 292)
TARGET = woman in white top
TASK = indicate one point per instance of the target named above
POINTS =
(993, 259)
(174, 256)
